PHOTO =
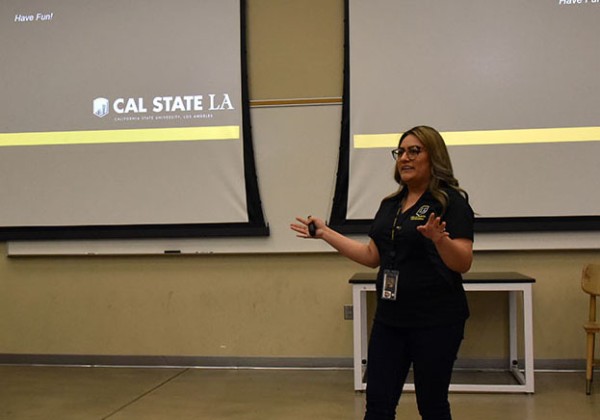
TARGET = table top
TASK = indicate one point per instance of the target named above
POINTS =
(471, 277)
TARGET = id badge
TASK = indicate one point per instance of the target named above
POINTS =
(390, 284)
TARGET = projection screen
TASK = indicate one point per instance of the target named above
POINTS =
(514, 88)
(125, 119)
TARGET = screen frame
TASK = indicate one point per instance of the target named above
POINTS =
(256, 225)
(338, 217)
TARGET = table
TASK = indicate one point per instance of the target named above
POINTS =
(511, 282)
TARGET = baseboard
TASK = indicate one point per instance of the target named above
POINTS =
(253, 362)
(178, 361)
(539, 364)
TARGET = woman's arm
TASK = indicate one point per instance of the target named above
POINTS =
(365, 254)
(457, 253)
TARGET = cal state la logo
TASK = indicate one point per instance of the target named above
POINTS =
(422, 211)
(420, 214)
(101, 106)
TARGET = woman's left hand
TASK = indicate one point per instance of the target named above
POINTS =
(434, 228)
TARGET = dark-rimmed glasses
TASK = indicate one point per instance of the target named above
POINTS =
(411, 152)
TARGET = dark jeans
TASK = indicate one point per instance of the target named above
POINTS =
(431, 351)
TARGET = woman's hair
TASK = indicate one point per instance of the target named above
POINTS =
(442, 175)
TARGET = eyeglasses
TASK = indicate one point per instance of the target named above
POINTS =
(412, 152)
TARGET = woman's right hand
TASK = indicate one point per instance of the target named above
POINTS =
(301, 228)
(366, 254)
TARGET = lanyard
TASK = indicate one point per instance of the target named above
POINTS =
(395, 224)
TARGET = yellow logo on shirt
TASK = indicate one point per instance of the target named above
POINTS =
(421, 213)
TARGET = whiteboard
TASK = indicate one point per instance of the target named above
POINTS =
(296, 157)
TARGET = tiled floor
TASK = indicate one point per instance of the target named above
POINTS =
(81, 393)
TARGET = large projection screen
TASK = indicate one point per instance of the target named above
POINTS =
(125, 119)
(514, 88)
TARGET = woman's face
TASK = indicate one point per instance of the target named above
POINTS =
(413, 164)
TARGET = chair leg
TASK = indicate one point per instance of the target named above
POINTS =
(589, 369)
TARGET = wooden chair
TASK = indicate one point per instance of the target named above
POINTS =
(590, 283)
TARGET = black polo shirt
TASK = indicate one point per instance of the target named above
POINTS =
(429, 293)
